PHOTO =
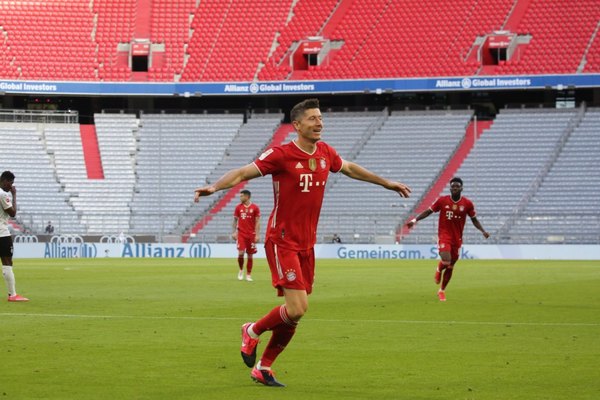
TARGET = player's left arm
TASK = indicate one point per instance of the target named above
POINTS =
(477, 225)
(355, 171)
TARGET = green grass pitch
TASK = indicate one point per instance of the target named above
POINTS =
(169, 329)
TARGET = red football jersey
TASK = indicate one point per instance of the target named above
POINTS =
(299, 180)
(453, 215)
(246, 218)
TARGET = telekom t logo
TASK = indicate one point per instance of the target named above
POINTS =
(306, 182)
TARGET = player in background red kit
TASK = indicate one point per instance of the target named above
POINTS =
(246, 231)
(299, 170)
(453, 211)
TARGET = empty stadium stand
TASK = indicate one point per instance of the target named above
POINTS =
(564, 208)
(176, 153)
(102, 204)
(40, 197)
(532, 175)
(503, 167)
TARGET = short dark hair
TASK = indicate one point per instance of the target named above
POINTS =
(456, 179)
(299, 109)
(246, 192)
(7, 176)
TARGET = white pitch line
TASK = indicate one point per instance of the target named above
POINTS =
(384, 321)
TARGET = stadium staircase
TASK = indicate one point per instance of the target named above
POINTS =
(591, 58)
(91, 151)
(515, 15)
(143, 17)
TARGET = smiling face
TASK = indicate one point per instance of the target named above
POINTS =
(309, 125)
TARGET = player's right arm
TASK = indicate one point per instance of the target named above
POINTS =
(419, 217)
(229, 180)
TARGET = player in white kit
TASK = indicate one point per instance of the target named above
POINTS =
(8, 206)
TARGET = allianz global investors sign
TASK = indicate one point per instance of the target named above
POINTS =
(269, 88)
(468, 83)
(27, 87)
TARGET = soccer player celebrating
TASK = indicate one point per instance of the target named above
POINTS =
(299, 170)
(246, 231)
(8, 201)
(453, 211)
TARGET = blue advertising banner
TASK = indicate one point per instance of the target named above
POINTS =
(378, 86)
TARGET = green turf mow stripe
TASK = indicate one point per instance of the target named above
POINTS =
(382, 321)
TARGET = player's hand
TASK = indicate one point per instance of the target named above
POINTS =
(256, 239)
(486, 235)
(411, 223)
(234, 236)
(203, 191)
(13, 190)
(400, 188)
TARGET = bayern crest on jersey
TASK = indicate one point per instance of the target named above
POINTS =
(290, 275)
(323, 163)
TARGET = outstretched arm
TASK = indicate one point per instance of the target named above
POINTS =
(230, 179)
(419, 217)
(477, 225)
(355, 171)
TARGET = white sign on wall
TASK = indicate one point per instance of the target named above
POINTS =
(331, 251)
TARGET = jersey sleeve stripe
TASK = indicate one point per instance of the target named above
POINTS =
(259, 171)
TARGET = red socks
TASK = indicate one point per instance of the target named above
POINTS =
(281, 336)
(249, 264)
(275, 317)
(446, 277)
(278, 321)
